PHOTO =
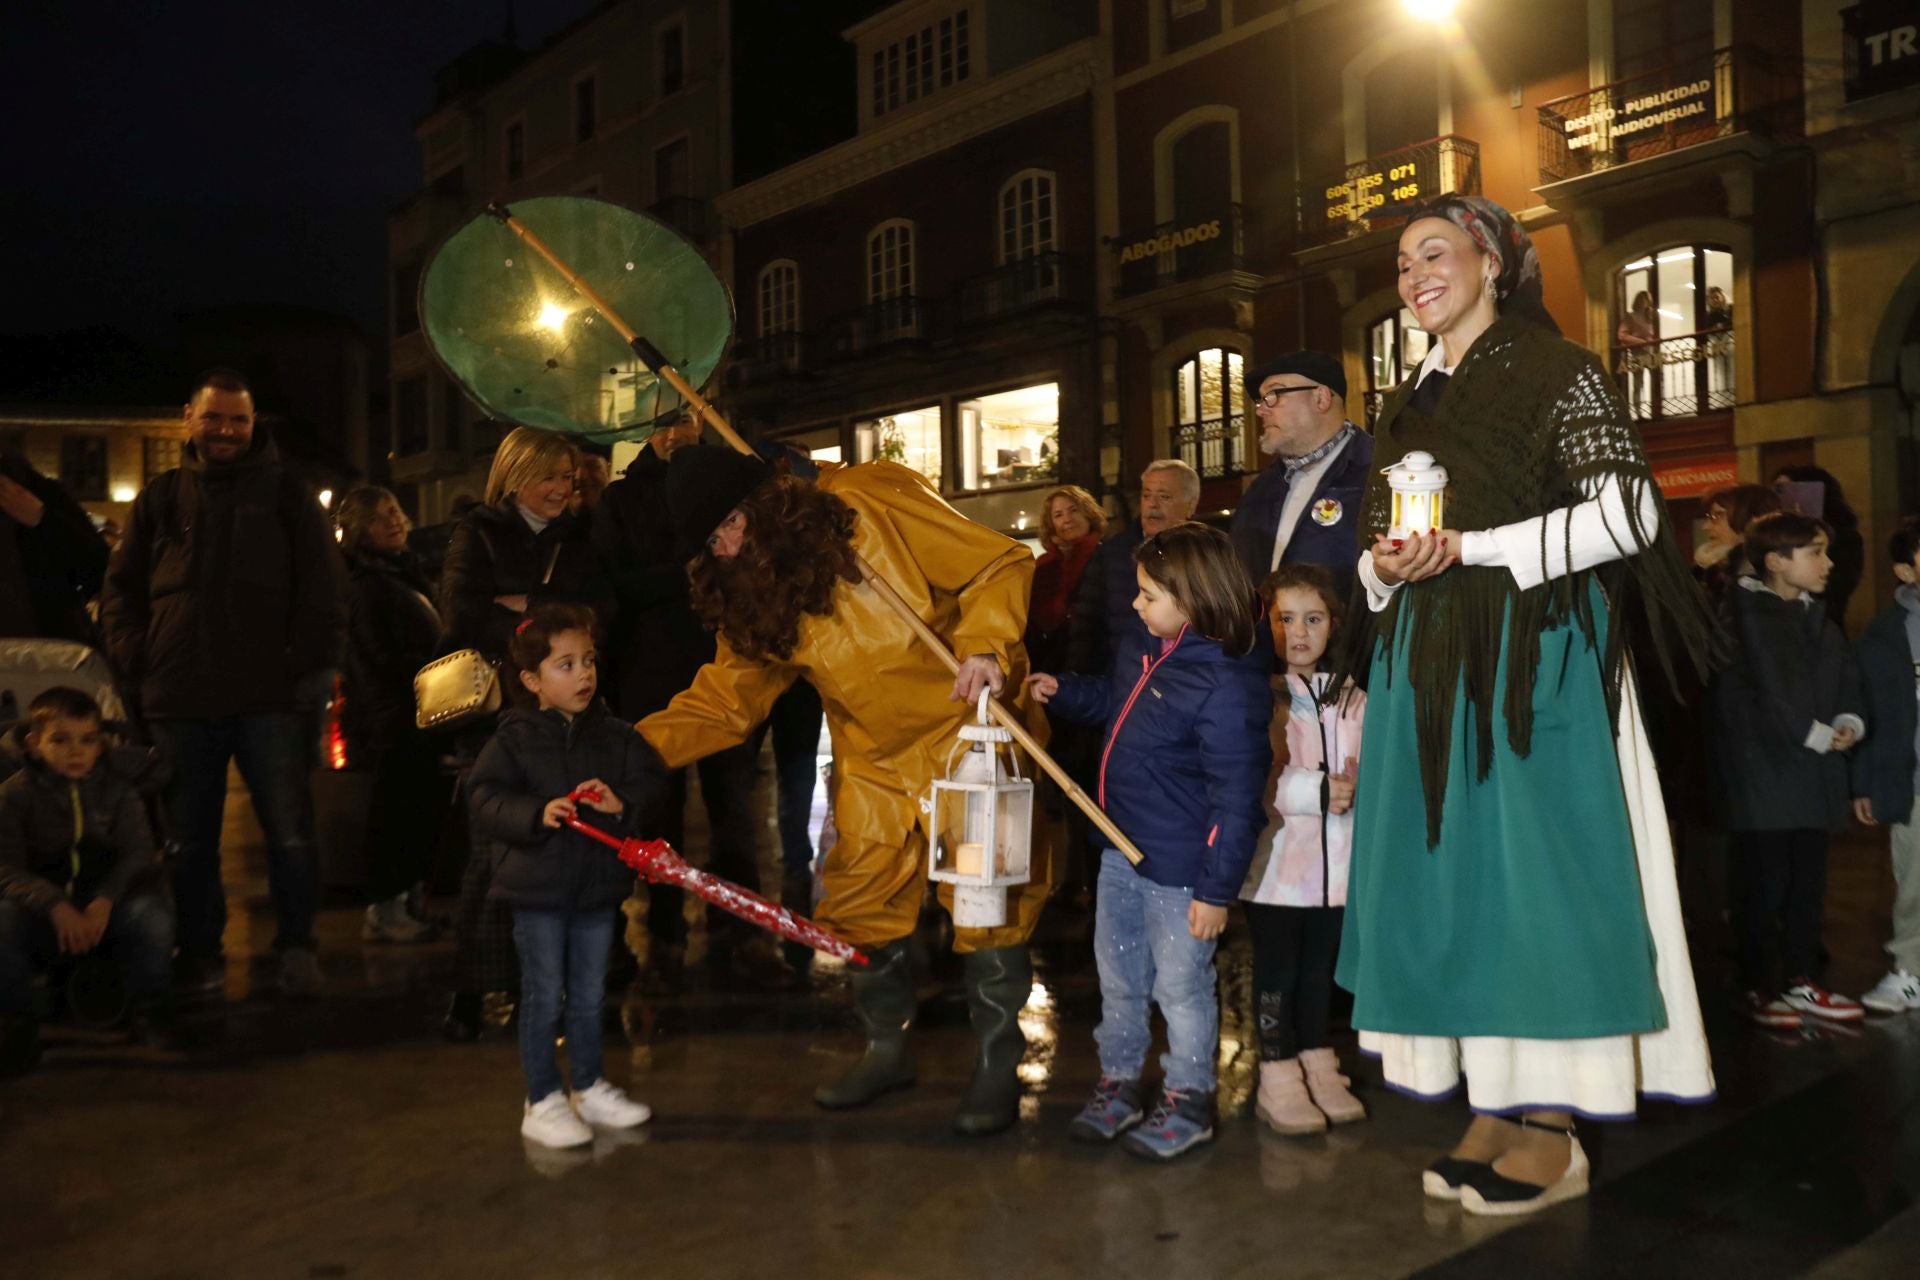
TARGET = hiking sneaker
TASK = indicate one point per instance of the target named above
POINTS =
(550, 1122)
(1182, 1119)
(390, 921)
(1898, 992)
(1114, 1109)
(1816, 1002)
(609, 1107)
(1769, 1011)
(300, 977)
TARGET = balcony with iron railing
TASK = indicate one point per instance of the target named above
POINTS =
(1214, 447)
(893, 322)
(1677, 377)
(1730, 91)
(1179, 251)
(1382, 190)
(1038, 280)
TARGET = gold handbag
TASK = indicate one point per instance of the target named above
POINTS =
(455, 690)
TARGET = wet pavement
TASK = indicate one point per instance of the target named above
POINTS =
(346, 1139)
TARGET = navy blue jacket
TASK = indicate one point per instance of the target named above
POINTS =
(1185, 760)
(1334, 543)
(1883, 763)
(538, 756)
(1101, 621)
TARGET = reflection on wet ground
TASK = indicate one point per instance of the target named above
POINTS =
(345, 1139)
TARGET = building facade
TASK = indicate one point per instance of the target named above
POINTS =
(924, 291)
(631, 103)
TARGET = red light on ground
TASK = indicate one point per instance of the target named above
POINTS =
(336, 739)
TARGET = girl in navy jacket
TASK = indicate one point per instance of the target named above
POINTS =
(1182, 771)
(565, 890)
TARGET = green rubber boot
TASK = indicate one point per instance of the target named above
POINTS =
(998, 983)
(883, 997)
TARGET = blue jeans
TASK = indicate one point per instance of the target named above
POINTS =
(275, 752)
(139, 939)
(1145, 952)
(563, 979)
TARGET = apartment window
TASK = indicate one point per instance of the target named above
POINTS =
(673, 59)
(451, 182)
(1210, 411)
(586, 109)
(453, 414)
(1026, 216)
(672, 174)
(1395, 347)
(1650, 34)
(406, 300)
(83, 467)
(1010, 438)
(935, 57)
(410, 417)
(890, 261)
(1673, 332)
(779, 297)
(1403, 100)
(516, 148)
(159, 454)
(910, 438)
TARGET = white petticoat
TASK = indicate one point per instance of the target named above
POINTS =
(1598, 1078)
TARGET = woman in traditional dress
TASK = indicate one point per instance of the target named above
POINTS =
(1513, 915)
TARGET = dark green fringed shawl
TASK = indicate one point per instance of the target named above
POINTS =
(1528, 423)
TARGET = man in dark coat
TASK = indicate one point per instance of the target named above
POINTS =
(1305, 507)
(225, 607)
(656, 644)
(1102, 619)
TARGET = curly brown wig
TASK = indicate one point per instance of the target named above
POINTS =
(799, 545)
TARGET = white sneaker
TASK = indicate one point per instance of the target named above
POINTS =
(389, 922)
(551, 1123)
(1898, 992)
(604, 1104)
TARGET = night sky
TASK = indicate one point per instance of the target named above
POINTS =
(166, 157)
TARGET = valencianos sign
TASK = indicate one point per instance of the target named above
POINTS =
(1168, 241)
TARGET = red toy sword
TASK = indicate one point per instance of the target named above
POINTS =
(658, 863)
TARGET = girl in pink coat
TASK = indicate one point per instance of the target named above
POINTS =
(1296, 891)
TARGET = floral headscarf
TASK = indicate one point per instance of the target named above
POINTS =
(1499, 234)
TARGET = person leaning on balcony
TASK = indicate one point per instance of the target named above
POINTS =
(1304, 508)
(1512, 916)
(1639, 338)
(1101, 621)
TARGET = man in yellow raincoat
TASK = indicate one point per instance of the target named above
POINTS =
(773, 571)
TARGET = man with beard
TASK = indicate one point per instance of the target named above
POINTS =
(774, 570)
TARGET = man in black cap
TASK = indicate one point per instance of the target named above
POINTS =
(1305, 507)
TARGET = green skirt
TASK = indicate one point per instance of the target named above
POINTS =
(1526, 920)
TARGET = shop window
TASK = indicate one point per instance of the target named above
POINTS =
(1026, 216)
(83, 467)
(1395, 348)
(910, 438)
(1673, 332)
(1209, 418)
(1010, 438)
(779, 292)
(1650, 34)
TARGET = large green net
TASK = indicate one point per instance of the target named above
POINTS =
(531, 350)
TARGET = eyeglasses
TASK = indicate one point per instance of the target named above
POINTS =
(1271, 399)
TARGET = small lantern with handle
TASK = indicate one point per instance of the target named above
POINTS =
(1419, 486)
(982, 824)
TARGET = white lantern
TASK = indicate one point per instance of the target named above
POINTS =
(982, 824)
(1419, 486)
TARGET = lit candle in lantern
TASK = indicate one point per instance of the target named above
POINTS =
(967, 857)
(1419, 485)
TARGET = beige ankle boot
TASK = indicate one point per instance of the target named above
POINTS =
(1283, 1102)
(1329, 1088)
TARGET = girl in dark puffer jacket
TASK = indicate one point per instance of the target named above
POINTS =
(565, 890)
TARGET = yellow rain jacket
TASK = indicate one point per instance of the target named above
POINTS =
(887, 698)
